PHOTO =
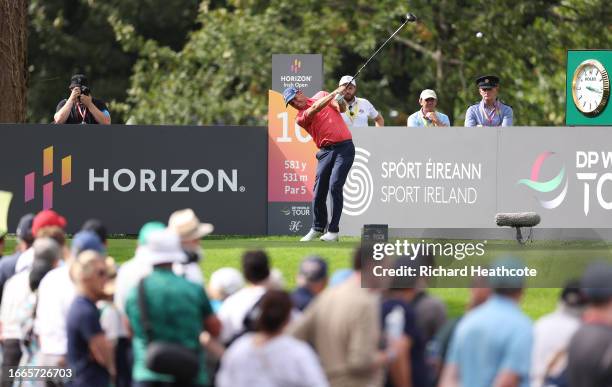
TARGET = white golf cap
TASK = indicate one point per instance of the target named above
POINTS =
(428, 93)
(227, 281)
(164, 247)
(346, 79)
(187, 225)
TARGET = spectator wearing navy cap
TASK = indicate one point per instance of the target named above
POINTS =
(98, 227)
(24, 242)
(311, 280)
(590, 350)
(490, 111)
(56, 294)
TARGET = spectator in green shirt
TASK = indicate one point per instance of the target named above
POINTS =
(178, 311)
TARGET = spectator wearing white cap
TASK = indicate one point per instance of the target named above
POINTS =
(427, 115)
(223, 283)
(186, 224)
(359, 110)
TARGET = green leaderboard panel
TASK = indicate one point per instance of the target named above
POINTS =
(588, 87)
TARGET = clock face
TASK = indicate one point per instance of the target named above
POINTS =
(590, 87)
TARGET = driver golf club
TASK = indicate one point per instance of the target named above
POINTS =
(409, 18)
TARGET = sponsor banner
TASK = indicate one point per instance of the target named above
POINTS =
(463, 177)
(564, 174)
(291, 151)
(290, 218)
(128, 175)
(302, 71)
(421, 177)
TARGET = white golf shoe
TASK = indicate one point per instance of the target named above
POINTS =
(330, 237)
(311, 236)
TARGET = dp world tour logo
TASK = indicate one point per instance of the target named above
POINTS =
(296, 66)
(47, 188)
(359, 186)
(546, 186)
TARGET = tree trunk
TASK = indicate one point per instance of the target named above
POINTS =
(13, 60)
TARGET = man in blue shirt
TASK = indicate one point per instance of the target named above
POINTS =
(427, 115)
(489, 111)
(492, 344)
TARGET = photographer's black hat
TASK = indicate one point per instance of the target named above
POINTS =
(78, 80)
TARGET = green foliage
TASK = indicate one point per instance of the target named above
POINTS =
(71, 36)
(214, 67)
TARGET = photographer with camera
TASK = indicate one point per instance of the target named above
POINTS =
(81, 107)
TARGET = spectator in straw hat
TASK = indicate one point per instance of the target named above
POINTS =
(186, 224)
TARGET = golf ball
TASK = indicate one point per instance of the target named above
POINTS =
(479, 34)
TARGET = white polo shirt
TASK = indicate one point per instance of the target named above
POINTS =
(55, 295)
(362, 110)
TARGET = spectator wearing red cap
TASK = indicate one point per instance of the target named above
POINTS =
(42, 220)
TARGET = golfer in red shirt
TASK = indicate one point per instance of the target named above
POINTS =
(320, 117)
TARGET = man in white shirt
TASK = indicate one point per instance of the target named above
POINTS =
(18, 291)
(427, 115)
(552, 333)
(235, 308)
(358, 109)
(55, 295)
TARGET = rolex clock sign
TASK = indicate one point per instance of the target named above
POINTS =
(588, 87)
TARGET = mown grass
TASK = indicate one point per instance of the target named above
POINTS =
(286, 254)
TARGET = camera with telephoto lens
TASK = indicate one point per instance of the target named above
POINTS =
(84, 90)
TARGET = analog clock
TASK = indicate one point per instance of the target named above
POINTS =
(591, 87)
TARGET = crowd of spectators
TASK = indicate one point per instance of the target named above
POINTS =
(154, 321)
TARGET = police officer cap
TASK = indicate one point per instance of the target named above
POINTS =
(487, 81)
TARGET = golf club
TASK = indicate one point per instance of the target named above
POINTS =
(409, 18)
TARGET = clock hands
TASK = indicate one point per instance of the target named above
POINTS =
(594, 89)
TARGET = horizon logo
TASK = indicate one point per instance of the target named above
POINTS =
(359, 186)
(296, 66)
(546, 186)
(164, 180)
(47, 188)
